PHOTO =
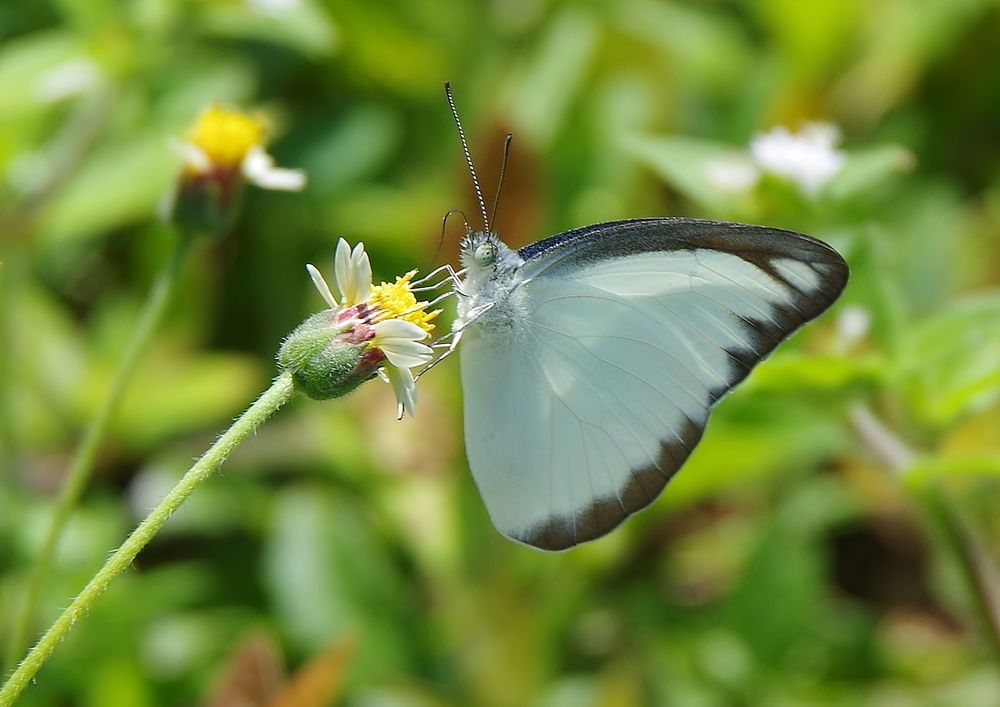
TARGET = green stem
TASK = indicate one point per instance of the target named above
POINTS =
(86, 453)
(265, 406)
(974, 558)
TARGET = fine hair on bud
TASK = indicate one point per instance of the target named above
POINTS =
(325, 358)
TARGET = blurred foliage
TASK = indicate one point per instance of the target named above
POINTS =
(784, 566)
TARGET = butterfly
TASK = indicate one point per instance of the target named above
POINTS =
(590, 360)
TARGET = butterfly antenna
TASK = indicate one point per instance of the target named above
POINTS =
(444, 225)
(468, 157)
(503, 171)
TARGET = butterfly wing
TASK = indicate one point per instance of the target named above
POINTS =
(590, 385)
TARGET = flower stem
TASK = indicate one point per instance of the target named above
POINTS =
(86, 453)
(974, 559)
(265, 406)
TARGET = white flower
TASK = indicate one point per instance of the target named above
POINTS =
(386, 317)
(853, 325)
(808, 158)
(225, 142)
(353, 273)
(259, 169)
(733, 173)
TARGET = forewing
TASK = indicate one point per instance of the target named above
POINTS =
(580, 409)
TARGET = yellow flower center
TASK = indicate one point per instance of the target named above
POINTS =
(396, 301)
(225, 136)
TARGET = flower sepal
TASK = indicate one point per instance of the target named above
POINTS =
(206, 204)
(329, 355)
(367, 330)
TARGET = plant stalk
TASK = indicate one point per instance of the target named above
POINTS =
(265, 406)
(85, 456)
(974, 558)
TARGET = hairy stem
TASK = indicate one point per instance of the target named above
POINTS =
(85, 456)
(265, 406)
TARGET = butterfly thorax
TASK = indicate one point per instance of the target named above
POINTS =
(492, 274)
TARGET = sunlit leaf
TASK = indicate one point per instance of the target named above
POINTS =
(684, 163)
(867, 169)
(950, 362)
(303, 25)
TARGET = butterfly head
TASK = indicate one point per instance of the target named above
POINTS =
(484, 252)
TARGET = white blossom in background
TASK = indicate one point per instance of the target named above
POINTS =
(808, 158)
(733, 174)
(70, 78)
(853, 324)
(274, 7)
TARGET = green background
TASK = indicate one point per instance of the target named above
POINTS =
(786, 565)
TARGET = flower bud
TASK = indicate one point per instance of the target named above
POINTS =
(221, 152)
(368, 330)
(329, 355)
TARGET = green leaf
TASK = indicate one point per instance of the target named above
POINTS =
(929, 468)
(800, 373)
(555, 72)
(329, 574)
(173, 394)
(122, 183)
(949, 363)
(23, 62)
(305, 26)
(682, 162)
(867, 169)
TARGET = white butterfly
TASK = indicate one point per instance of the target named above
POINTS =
(590, 360)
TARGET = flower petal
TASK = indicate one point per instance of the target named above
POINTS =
(258, 167)
(405, 352)
(399, 329)
(808, 159)
(193, 156)
(324, 289)
(732, 174)
(343, 273)
(405, 388)
(362, 272)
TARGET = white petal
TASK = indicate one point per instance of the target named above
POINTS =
(258, 167)
(343, 273)
(321, 285)
(399, 329)
(732, 173)
(808, 158)
(405, 388)
(362, 272)
(192, 156)
(405, 352)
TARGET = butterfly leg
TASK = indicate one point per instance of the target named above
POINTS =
(452, 277)
(449, 342)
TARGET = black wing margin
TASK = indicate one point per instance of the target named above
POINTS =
(759, 245)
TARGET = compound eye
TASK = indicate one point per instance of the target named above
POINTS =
(485, 254)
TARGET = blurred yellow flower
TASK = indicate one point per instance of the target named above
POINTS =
(224, 141)
(225, 136)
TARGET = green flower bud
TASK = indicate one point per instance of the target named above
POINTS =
(330, 354)
(206, 204)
